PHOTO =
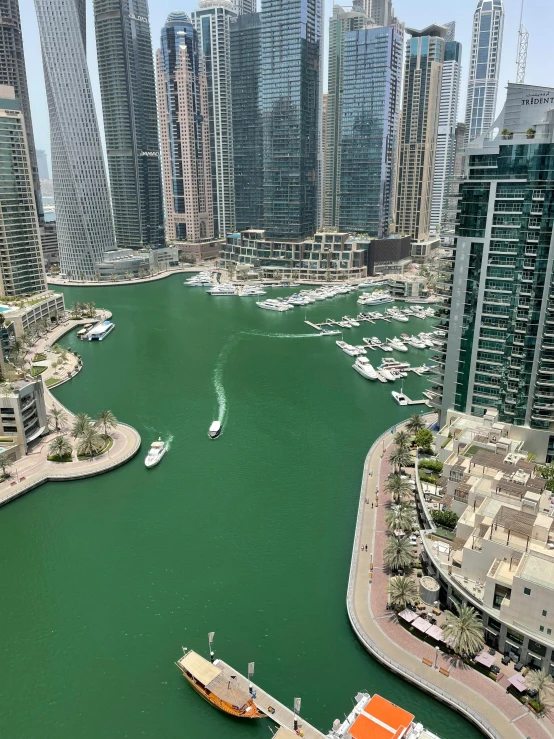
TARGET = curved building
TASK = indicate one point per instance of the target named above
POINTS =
(83, 211)
(484, 67)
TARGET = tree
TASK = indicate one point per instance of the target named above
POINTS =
(76, 309)
(402, 592)
(397, 487)
(401, 440)
(57, 418)
(91, 442)
(543, 683)
(397, 554)
(90, 309)
(448, 519)
(415, 423)
(400, 517)
(106, 420)
(400, 458)
(81, 424)
(423, 439)
(547, 472)
(60, 448)
(464, 632)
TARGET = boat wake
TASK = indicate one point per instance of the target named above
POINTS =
(280, 336)
(218, 379)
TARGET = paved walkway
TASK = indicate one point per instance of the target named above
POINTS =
(34, 469)
(495, 712)
(135, 281)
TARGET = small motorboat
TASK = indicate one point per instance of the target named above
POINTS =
(400, 398)
(155, 453)
(214, 430)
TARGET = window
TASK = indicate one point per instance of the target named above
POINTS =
(527, 591)
(549, 631)
(544, 613)
(541, 628)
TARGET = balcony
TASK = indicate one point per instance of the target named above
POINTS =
(538, 196)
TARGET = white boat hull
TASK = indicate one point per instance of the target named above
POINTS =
(155, 460)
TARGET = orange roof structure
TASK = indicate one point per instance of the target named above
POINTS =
(381, 719)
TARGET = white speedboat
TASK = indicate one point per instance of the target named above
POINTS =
(222, 290)
(398, 345)
(99, 332)
(363, 366)
(155, 453)
(214, 430)
(386, 347)
(361, 348)
(352, 351)
(328, 332)
(353, 322)
(400, 398)
(251, 290)
(391, 363)
(387, 374)
(379, 296)
(273, 305)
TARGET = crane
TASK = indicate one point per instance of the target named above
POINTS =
(522, 44)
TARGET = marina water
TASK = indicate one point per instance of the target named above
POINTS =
(249, 536)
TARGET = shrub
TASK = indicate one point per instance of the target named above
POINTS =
(433, 479)
(431, 464)
(535, 705)
(448, 519)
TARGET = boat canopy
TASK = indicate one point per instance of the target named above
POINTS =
(199, 668)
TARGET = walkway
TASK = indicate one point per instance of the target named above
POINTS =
(498, 714)
(135, 281)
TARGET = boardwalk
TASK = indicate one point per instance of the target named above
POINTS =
(282, 716)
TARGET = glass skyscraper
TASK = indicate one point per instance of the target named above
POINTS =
(484, 67)
(126, 71)
(370, 102)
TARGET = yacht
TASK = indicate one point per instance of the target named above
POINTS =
(387, 374)
(400, 398)
(214, 430)
(391, 363)
(273, 305)
(222, 290)
(398, 345)
(395, 313)
(425, 340)
(361, 348)
(386, 347)
(352, 351)
(351, 321)
(199, 280)
(155, 453)
(376, 341)
(99, 332)
(344, 324)
(251, 290)
(377, 297)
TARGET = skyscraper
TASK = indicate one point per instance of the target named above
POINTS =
(212, 21)
(446, 133)
(43, 168)
(21, 264)
(341, 22)
(500, 347)
(247, 120)
(185, 138)
(13, 74)
(83, 210)
(484, 67)
(242, 7)
(128, 90)
(380, 11)
(418, 130)
(370, 106)
(289, 100)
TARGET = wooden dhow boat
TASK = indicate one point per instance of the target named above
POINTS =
(217, 687)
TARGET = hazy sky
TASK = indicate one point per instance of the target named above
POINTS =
(538, 17)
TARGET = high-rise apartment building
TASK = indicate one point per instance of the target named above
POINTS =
(290, 94)
(418, 130)
(212, 22)
(380, 11)
(242, 7)
(372, 77)
(446, 133)
(341, 22)
(42, 162)
(21, 263)
(484, 67)
(185, 137)
(13, 74)
(500, 294)
(128, 91)
(247, 120)
(83, 209)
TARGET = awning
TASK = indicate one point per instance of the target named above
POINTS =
(407, 615)
(518, 682)
(485, 659)
(421, 625)
(435, 632)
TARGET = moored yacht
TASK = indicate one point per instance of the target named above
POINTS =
(363, 367)
(225, 289)
(398, 345)
(400, 398)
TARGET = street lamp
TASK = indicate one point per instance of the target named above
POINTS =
(437, 649)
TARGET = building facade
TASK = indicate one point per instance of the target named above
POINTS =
(418, 130)
(370, 108)
(212, 22)
(484, 67)
(127, 87)
(83, 209)
(500, 290)
(21, 263)
(290, 94)
(380, 11)
(243, 7)
(185, 137)
(13, 74)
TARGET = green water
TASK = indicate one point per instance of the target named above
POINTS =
(104, 580)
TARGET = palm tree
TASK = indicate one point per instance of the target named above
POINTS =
(401, 517)
(60, 447)
(415, 423)
(464, 632)
(402, 440)
(543, 683)
(397, 553)
(81, 424)
(402, 592)
(57, 418)
(398, 488)
(91, 442)
(106, 420)
(400, 458)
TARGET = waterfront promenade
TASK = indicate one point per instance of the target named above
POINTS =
(133, 281)
(34, 469)
(497, 713)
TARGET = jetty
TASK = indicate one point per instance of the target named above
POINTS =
(317, 326)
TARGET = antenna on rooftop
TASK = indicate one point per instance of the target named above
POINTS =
(522, 44)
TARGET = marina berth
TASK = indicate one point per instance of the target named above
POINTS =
(99, 332)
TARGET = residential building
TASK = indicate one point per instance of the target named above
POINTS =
(380, 11)
(484, 67)
(201, 251)
(389, 252)
(13, 74)
(42, 162)
(425, 52)
(22, 416)
(445, 151)
(243, 7)
(423, 249)
(500, 299)
(128, 91)
(83, 209)
(48, 306)
(341, 22)
(185, 140)
(452, 187)
(49, 244)
(372, 70)
(212, 22)
(403, 287)
(21, 264)
(290, 94)
(245, 44)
